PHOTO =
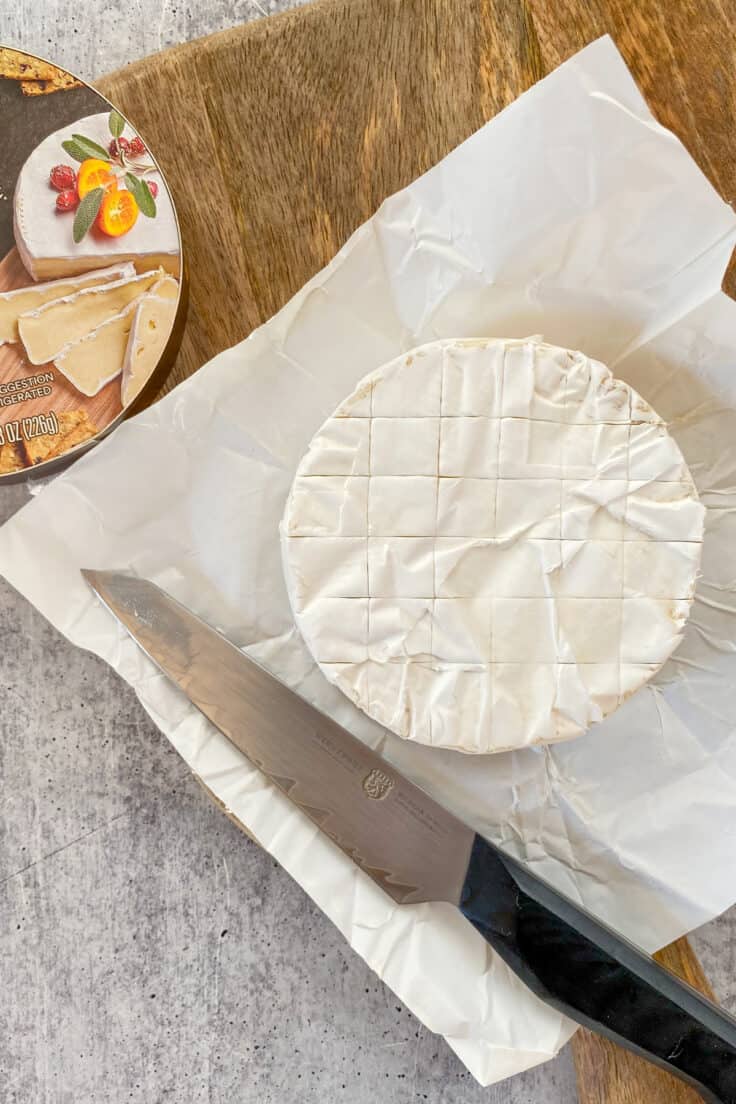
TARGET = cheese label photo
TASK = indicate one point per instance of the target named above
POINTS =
(92, 295)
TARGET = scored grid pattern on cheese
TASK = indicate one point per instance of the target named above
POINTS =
(479, 509)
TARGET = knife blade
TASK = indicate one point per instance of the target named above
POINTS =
(416, 850)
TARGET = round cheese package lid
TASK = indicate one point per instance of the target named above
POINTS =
(491, 544)
(92, 288)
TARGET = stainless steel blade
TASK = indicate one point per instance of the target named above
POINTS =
(416, 851)
(412, 847)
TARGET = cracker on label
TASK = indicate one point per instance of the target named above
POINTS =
(58, 83)
(15, 65)
(75, 426)
(11, 458)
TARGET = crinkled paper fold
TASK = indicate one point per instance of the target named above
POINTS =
(572, 214)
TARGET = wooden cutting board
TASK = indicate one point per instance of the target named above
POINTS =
(279, 138)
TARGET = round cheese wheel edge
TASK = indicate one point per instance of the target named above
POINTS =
(491, 544)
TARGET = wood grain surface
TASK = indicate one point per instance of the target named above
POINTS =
(281, 137)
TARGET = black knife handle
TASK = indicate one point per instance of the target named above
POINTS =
(584, 969)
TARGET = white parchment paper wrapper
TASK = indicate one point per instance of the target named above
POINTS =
(572, 214)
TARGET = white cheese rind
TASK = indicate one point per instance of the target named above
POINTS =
(17, 302)
(48, 332)
(97, 358)
(44, 237)
(154, 317)
(492, 544)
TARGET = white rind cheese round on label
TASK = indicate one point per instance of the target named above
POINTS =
(44, 238)
(491, 544)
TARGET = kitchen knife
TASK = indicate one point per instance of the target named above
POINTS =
(417, 851)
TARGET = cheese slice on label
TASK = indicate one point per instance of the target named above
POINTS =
(166, 288)
(47, 332)
(99, 356)
(15, 303)
(154, 317)
(491, 544)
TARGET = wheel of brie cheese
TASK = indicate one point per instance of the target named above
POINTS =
(491, 544)
(44, 238)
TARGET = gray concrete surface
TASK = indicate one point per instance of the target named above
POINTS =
(148, 951)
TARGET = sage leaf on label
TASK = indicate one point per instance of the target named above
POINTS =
(90, 148)
(74, 150)
(116, 122)
(141, 194)
(87, 213)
